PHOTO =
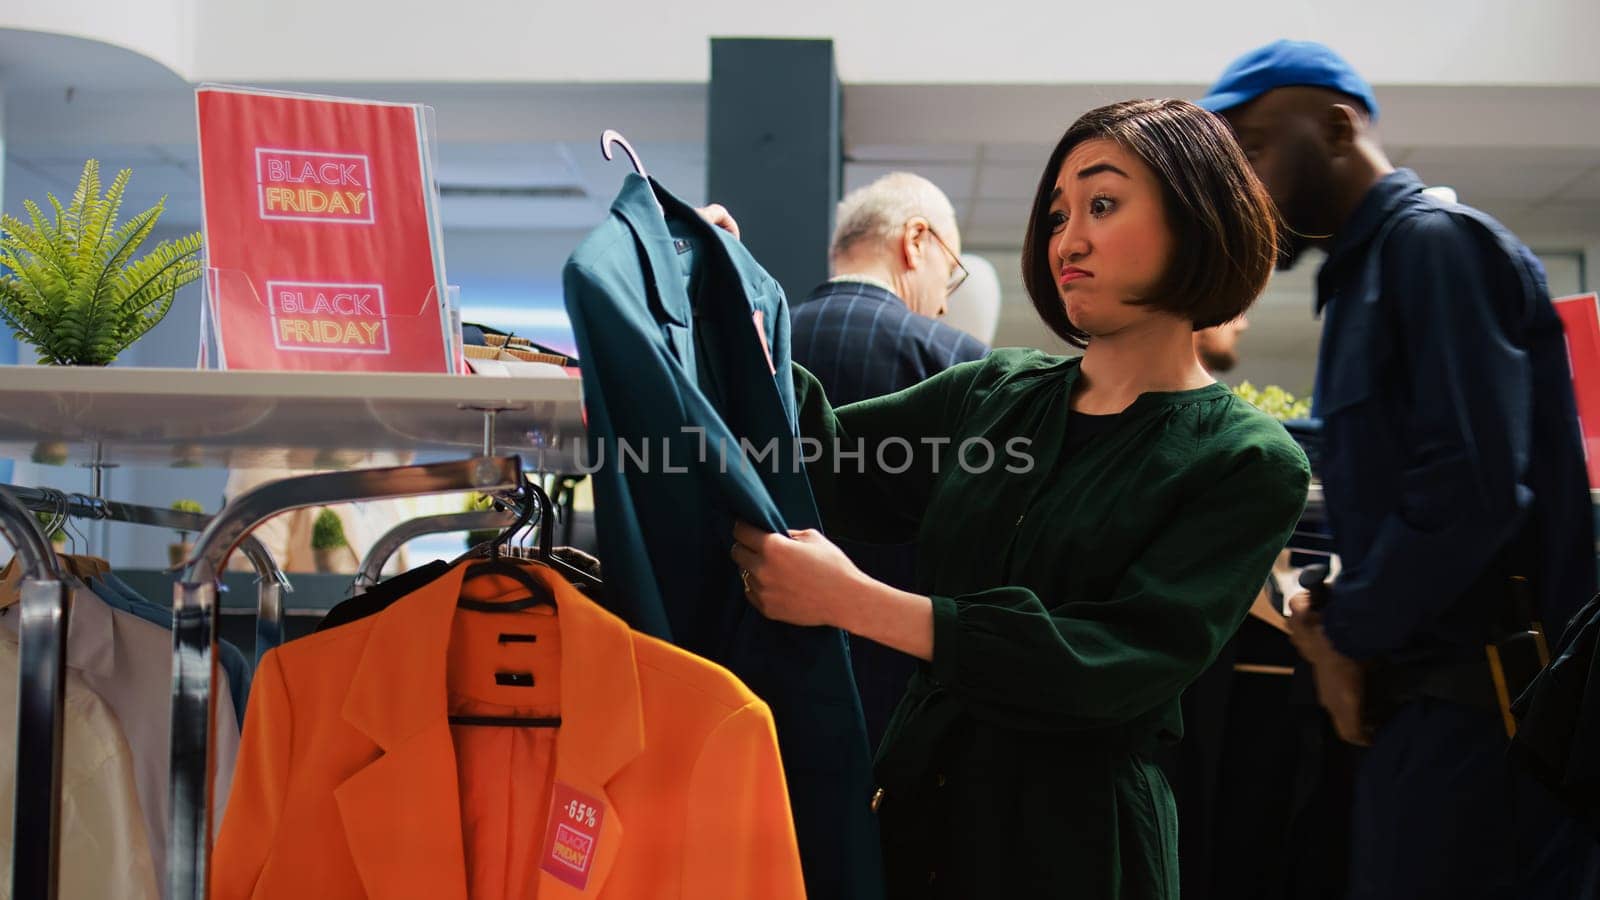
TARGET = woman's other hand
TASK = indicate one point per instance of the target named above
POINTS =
(718, 215)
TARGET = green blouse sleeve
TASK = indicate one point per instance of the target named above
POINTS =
(873, 464)
(1052, 663)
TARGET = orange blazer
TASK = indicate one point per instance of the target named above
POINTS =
(346, 782)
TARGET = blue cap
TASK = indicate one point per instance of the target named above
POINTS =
(1285, 64)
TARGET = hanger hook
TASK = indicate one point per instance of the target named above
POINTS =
(58, 512)
(612, 136)
(539, 523)
(54, 499)
(546, 520)
(527, 505)
(70, 527)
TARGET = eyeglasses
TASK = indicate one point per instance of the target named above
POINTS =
(958, 275)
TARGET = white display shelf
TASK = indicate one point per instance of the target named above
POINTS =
(296, 420)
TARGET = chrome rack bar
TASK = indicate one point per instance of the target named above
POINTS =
(395, 538)
(42, 633)
(194, 625)
(271, 583)
(85, 507)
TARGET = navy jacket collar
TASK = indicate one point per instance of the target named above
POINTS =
(861, 289)
(1380, 202)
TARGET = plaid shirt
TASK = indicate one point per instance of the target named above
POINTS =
(862, 341)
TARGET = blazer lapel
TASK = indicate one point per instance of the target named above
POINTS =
(636, 204)
(402, 820)
(402, 812)
(602, 730)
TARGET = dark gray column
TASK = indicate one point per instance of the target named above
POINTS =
(774, 149)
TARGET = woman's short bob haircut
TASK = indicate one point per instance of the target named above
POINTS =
(1224, 227)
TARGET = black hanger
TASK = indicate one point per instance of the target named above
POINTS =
(500, 565)
(546, 553)
(547, 527)
(507, 721)
(495, 562)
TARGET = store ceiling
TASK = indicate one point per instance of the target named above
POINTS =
(1530, 156)
(1544, 191)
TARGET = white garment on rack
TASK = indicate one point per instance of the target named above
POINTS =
(128, 662)
(105, 851)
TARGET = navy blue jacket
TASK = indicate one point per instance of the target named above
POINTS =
(685, 347)
(1452, 457)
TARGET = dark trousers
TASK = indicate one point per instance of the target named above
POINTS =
(1263, 784)
(1441, 813)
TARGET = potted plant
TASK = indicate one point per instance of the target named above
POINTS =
(72, 289)
(337, 459)
(328, 543)
(179, 553)
(50, 453)
(1274, 401)
(188, 456)
(477, 502)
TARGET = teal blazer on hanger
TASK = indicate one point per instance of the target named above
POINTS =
(684, 342)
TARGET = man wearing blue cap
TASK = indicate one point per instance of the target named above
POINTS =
(1454, 479)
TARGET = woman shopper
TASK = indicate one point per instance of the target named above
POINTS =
(1089, 530)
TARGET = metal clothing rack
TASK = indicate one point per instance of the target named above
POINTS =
(195, 624)
(271, 582)
(42, 636)
(395, 538)
(231, 419)
(36, 827)
(1307, 537)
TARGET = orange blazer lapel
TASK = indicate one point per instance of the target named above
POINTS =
(602, 730)
(402, 813)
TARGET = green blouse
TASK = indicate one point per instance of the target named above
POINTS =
(1075, 595)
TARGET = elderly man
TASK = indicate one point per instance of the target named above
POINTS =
(873, 329)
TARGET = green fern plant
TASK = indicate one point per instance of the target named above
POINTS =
(71, 287)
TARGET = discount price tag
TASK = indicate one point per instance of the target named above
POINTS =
(572, 835)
